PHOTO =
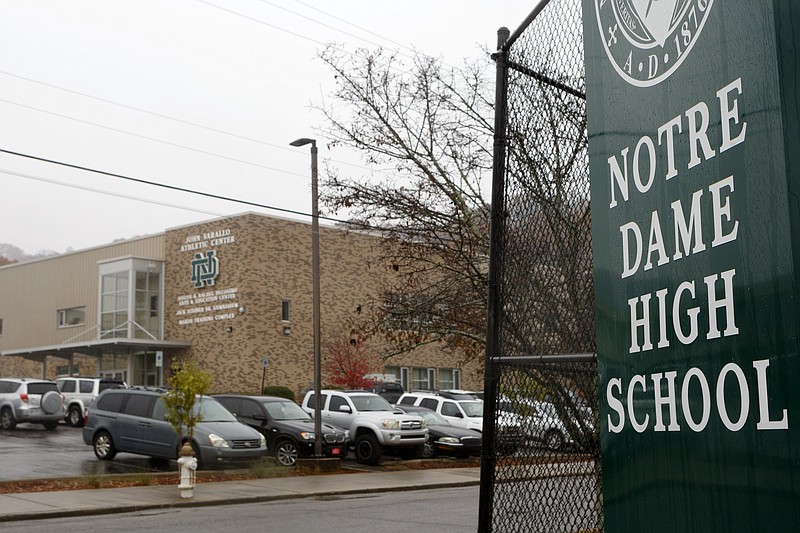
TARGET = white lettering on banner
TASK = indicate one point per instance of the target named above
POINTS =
(697, 122)
(687, 228)
(640, 313)
(731, 379)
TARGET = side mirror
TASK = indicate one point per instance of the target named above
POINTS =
(345, 409)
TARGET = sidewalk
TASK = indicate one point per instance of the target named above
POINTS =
(37, 505)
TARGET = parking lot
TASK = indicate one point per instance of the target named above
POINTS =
(31, 452)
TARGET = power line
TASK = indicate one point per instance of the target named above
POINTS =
(182, 189)
(108, 193)
(159, 115)
(168, 143)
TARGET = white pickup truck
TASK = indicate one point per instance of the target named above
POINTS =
(375, 427)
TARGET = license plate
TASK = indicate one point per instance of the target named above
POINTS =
(336, 451)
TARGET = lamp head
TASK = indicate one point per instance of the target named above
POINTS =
(303, 141)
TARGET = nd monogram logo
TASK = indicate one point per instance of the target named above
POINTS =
(205, 269)
(647, 40)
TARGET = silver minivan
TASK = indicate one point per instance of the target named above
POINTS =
(133, 421)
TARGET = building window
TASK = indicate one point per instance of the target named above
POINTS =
(131, 299)
(1, 326)
(286, 308)
(74, 316)
(114, 305)
(422, 378)
(147, 308)
(449, 378)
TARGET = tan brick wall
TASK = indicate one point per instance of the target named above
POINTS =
(269, 261)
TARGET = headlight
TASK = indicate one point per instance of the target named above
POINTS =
(217, 441)
(307, 435)
(390, 423)
(449, 440)
(424, 423)
(263, 441)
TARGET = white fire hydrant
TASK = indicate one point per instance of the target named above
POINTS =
(188, 465)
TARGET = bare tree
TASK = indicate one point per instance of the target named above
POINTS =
(429, 128)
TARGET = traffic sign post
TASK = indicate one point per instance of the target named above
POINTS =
(265, 365)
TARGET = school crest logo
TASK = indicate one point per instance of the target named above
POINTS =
(647, 40)
(205, 269)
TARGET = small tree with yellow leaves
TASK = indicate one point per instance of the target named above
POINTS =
(186, 382)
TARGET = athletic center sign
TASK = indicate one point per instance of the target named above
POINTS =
(694, 155)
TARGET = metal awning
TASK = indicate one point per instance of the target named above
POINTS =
(38, 353)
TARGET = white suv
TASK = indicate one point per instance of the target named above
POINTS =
(464, 413)
(374, 425)
(461, 409)
(80, 392)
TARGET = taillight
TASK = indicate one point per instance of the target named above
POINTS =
(24, 397)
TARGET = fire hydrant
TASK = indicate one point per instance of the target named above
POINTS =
(187, 464)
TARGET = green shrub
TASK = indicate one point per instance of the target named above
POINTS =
(280, 392)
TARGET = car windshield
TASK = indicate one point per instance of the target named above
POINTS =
(472, 408)
(286, 411)
(213, 411)
(371, 403)
(431, 418)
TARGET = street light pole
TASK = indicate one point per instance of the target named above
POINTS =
(315, 293)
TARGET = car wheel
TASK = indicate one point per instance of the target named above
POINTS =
(7, 419)
(286, 453)
(428, 449)
(51, 403)
(104, 446)
(50, 426)
(368, 451)
(554, 440)
(75, 416)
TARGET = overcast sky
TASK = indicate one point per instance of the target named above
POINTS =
(199, 94)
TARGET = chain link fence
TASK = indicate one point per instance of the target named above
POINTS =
(541, 372)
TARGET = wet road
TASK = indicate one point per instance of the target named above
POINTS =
(31, 452)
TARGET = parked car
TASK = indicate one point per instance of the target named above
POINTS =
(443, 437)
(457, 394)
(389, 390)
(374, 425)
(133, 421)
(80, 392)
(468, 413)
(540, 421)
(288, 429)
(30, 400)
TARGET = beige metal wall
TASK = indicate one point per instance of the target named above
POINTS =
(32, 293)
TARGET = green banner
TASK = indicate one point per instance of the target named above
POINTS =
(693, 156)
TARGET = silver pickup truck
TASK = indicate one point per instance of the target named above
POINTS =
(374, 425)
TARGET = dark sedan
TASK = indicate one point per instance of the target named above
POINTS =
(289, 430)
(443, 437)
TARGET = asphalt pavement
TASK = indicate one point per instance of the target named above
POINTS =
(39, 505)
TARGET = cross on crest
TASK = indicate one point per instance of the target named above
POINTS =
(657, 16)
(205, 269)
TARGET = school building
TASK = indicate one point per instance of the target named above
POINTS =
(235, 293)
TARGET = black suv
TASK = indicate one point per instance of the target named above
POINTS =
(391, 391)
(288, 428)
